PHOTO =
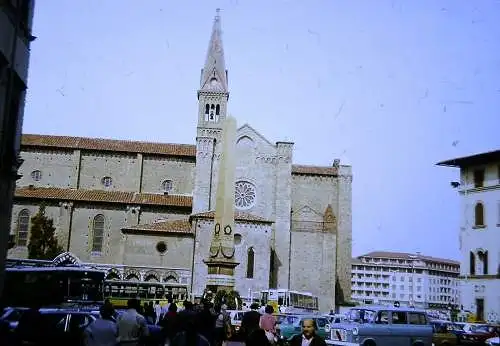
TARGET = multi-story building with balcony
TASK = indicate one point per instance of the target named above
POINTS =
(15, 37)
(381, 277)
(479, 235)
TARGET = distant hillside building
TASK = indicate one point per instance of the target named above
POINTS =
(145, 210)
(479, 190)
(381, 277)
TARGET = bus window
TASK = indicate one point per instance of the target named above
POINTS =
(264, 298)
(281, 298)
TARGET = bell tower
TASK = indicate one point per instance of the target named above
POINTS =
(213, 95)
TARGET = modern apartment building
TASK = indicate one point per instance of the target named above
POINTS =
(15, 38)
(381, 277)
(479, 234)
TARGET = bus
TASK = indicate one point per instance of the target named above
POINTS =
(287, 301)
(120, 291)
(26, 286)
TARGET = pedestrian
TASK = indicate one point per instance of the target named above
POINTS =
(268, 324)
(170, 324)
(132, 326)
(103, 331)
(222, 325)
(157, 309)
(249, 322)
(308, 337)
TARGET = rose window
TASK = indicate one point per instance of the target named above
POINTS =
(244, 195)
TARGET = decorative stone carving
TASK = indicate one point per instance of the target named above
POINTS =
(271, 159)
(134, 209)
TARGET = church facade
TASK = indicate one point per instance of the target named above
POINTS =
(145, 210)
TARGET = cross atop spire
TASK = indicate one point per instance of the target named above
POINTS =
(214, 75)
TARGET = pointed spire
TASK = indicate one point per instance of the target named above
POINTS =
(213, 76)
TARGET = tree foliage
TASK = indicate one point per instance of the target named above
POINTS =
(229, 298)
(43, 241)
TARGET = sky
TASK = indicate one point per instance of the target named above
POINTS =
(390, 87)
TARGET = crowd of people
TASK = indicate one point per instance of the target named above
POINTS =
(202, 324)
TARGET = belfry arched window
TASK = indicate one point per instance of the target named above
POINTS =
(97, 233)
(217, 110)
(211, 116)
(250, 263)
(23, 222)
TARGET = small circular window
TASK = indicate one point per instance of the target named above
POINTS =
(237, 239)
(161, 247)
(107, 181)
(36, 175)
(244, 195)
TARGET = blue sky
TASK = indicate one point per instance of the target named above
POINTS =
(387, 86)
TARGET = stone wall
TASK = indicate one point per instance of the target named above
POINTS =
(140, 250)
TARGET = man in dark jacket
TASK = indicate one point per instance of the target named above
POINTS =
(308, 337)
(249, 322)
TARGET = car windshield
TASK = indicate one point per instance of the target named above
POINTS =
(289, 320)
(361, 315)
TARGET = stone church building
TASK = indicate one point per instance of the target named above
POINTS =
(145, 210)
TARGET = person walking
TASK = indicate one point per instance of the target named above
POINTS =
(132, 326)
(103, 331)
(268, 324)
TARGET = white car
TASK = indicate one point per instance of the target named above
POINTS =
(493, 341)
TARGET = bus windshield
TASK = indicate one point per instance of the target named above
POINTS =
(52, 286)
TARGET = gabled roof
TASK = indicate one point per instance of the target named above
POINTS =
(168, 226)
(102, 196)
(472, 160)
(238, 216)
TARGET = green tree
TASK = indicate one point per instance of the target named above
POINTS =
(43, 242)
(229, 298)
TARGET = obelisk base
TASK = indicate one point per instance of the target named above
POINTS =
(220, 275)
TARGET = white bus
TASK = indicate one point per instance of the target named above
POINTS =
(288, 301)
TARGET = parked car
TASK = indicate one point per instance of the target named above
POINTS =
(371, 325)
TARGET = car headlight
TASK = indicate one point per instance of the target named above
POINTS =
(355, 331)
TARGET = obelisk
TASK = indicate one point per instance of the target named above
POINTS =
(221, 261)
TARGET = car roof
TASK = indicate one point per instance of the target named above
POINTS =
(388, 308)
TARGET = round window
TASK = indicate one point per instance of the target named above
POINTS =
(244, 195)
(237, 239)
(161, 247)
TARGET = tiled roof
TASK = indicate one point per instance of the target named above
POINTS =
(238, 216)
(103, 196)
(170, 226)
(408, 256)
(114, 145)
(48, 141)
(314, 170)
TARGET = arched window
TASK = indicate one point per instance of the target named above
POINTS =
(479, 214)
(23, 222)
(250, 263)
(217, 110)
(207, 109)
(97, 233)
